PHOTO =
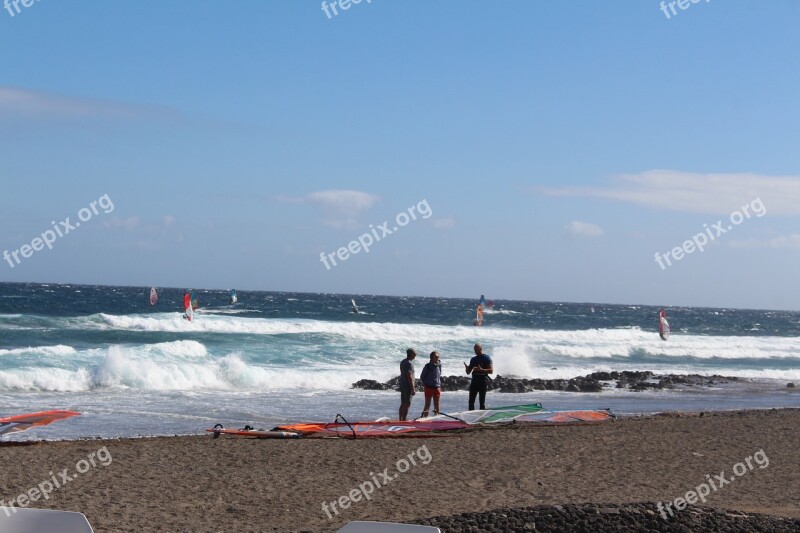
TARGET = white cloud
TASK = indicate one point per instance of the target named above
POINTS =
(340, 208)
(131, 222)
(444, 223)
(782, 241)
(30, 104)
(577, 228)
(343, 202)
(697, 193)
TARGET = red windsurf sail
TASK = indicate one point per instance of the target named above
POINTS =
(187, 307)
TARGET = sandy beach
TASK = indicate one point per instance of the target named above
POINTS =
(200, 484)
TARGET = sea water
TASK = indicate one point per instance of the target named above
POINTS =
(137, 370)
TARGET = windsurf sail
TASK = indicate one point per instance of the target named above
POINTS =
(233, 298)
(372, 429)
(663, 326)
(195, 301)
(13, 424)
(529, 413)
(153, 296)
(355, 307)
(487, 416)
(479, 316)
(188, 312)
(479, 312)
(567, 417)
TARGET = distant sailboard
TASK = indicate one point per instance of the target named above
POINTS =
(233, 298)
(153, 296)
(479, 312)
(13, 424)
(355, 307)
(188, 312)
(195, 301)
(663, 326)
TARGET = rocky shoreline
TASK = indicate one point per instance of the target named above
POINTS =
(595, 382)
(609, 518)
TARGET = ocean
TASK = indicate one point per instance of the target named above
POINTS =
(135, 370)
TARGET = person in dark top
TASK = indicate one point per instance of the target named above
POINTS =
(480, 367)
(406, 382)
(431, 378)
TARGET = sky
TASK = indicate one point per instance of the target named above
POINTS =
(566, 150)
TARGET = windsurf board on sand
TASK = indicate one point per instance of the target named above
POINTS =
(247, 431)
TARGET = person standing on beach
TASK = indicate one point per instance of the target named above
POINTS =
(406, 383)
(480, 367)
(431, 377)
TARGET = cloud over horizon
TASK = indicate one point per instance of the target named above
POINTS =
(340, 208)
(715, 194)
(576, 228)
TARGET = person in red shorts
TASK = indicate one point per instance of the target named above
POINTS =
(431, 378)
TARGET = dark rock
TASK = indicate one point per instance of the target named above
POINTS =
(631, 380)
(609, 518)
(790, 385)
(369, 384)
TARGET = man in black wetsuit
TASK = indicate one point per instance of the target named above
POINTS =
(480, 367)
(407, 384)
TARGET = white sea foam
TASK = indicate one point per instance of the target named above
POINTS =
(324, 355)
(589, 343)
(58, 351)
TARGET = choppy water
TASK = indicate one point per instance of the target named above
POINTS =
(133, 369)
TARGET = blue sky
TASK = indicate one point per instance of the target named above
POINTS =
(559, 145)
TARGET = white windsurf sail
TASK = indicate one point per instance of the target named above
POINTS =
(153, 296)
(663, 326)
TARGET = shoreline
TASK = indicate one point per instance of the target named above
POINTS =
(188, 482)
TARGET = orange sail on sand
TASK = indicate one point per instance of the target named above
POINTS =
(13, 424)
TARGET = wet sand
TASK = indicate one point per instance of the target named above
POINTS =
(228, 484)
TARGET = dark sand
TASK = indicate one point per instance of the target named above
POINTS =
(229, 484)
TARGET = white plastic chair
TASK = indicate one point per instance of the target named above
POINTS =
(20, 520)
(386, 527)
